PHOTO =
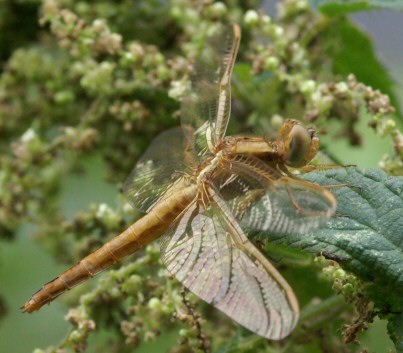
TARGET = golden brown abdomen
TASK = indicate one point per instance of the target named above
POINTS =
(141, 233)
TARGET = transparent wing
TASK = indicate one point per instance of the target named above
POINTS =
(210, 255)
(206, 110)
(165, 167)
(263, 199)
(200, 136)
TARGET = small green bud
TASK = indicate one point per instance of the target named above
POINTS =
(107, 216)
(88, 41)
(322, 102)
(132, 284)
(158, 58)
(83, 8)
(342, 87)
(64, 97)
(127, 208)
(115, 293)
(99, 25)
(99, 79)
(184, 333)
(308, 86)
(153, 251)
(251, 18)
(278, 31)
(340, 274)
(163, 72)
(167, 309)
(194, 342)
(29, 135)
(218, 9)
(266, 19)
(75, 336)
(277, 121)
(176, 12)
(386, 127)
(155, 304)
(328, 270)
(30, 146)
(69, 17)
(149, 336)
(301, 5)
(271, 63)
(348, 289)
(177, 90)
(192, 15)
(193, 331)
(127, 59)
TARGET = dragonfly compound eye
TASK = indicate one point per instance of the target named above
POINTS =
(298, 145)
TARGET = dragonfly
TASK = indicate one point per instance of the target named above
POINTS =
(203, 192)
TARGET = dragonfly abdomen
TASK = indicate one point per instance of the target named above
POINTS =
(138, 235)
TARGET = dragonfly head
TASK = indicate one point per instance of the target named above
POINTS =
(300, 143)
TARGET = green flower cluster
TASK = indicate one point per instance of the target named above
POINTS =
(104, 78)
(354, 291)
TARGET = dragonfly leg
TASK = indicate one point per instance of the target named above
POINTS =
(311, 167)
(293, 201)
(337, 186)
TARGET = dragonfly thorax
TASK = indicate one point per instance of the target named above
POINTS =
(252, 145)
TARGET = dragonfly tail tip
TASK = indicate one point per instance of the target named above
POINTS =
(28, 307)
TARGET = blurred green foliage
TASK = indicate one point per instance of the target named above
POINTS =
(87, 85)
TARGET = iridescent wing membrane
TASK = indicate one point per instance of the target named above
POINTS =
(262, 199)
(209, 253)
(164, 168)
(205, 113)
(206, 109)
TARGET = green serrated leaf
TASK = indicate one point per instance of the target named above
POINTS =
(367, 232)
(346, 6)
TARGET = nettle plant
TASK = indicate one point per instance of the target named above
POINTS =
(103, 79)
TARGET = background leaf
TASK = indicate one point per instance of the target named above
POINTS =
(345, 6)
(396, 331)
